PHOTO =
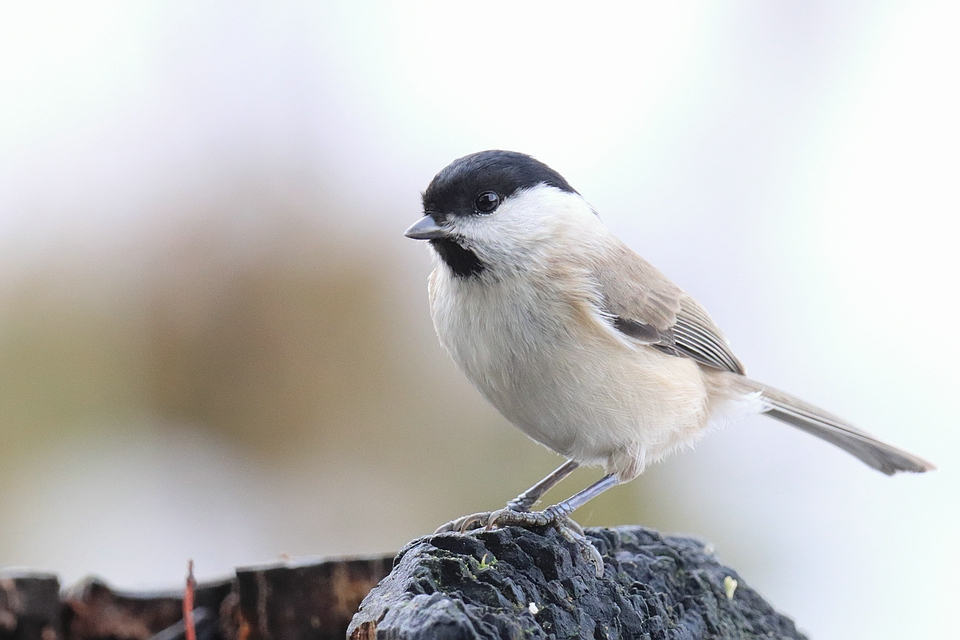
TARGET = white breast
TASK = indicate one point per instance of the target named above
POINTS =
(554, 367)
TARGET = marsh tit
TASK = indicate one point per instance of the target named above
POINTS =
(580, 342)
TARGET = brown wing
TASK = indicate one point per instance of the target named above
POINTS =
(646, 306)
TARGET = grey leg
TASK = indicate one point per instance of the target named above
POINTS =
(523, 502)
(559, 516)
(531, 496)
(554, 515)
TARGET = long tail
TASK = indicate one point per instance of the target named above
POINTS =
(814, 420)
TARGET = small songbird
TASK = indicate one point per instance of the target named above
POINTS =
(580, 342)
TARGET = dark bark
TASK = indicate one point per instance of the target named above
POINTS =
(29, 606)
(305, 601)
(507, 583)
(92, 610)
(518, 583)
(289, 601)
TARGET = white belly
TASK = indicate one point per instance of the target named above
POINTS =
(556, 371)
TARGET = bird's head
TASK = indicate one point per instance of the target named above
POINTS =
(493, 210)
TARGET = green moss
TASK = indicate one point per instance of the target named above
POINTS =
(483, 564)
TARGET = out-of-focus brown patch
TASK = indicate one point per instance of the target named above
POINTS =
(276, 346)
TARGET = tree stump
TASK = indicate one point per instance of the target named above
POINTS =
(297, 600)
(300, 600)
(506, 583)
(29, 606)
(93, 610)
(519, 583)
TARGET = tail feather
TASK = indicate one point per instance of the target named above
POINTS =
(814, 420)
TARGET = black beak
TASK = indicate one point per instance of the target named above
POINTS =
(426, 228)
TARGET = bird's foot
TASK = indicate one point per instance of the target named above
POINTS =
(464, 524)
(556, 516)
(551, 516)
(503, 518)
(473, 521)
(587, 551)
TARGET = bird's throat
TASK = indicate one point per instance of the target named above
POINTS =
(463, 262)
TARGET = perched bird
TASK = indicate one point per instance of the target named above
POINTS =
(580, 342)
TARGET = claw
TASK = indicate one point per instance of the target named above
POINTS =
(568, 528)
(474, 521)
(588, 552)
(465, 523)
(447, 528)
(570, 523)
(594, 556)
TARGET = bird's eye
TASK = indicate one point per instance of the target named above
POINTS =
(487, 202)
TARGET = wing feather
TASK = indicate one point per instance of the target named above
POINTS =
(646, 306)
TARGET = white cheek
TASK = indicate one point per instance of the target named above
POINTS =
(528, 226)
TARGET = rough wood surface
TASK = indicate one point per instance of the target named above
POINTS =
(518, 583)
(289, 601)
(92, 610)
(29, 606)
(508, 583)
(297, 601)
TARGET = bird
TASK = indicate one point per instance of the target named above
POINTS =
(581, 343)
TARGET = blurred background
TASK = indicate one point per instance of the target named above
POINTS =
(215, 341)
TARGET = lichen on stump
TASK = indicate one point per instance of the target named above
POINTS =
(519, 583)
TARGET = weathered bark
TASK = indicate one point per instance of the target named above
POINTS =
(304, 601)
(92, 610)
(289, 601)
(507, 583)
(518, 583)
(29, 606)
